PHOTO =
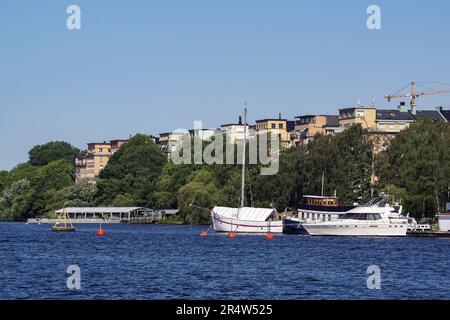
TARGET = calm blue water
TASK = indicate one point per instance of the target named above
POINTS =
(173, 262)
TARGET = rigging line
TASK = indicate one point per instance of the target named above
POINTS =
(436, 82)
(397, 92)
(426, 88)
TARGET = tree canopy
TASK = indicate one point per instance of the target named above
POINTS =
(132, 173)
(415, 169)
(41, 155)
(417, 166)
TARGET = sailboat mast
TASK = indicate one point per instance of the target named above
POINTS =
(323, 181)
(243, 159)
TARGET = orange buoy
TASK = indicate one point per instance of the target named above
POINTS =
(100, 232)
(269, 236)
(231, 235)
(203, 234)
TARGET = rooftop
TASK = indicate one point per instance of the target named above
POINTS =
(319, 197)
(429, 115)
(394, 114)
(354, 108)
(101, 143)
(446, 114)
(102, 209)
(232, 124)
(273, 119)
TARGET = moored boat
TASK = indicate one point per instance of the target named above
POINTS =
(63, 224)
(246, 220)
(314, 208)
(377, 218)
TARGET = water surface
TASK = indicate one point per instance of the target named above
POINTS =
(174, 262)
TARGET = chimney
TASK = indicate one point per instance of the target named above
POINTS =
(240, 120)
(402, 107)
(279, 116)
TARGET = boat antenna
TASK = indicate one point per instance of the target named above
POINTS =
(243, 158)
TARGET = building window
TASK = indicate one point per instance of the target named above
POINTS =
(273, 126)
(280, 126)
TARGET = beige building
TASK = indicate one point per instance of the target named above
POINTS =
(382, 124)
(277, 127)
(98, 155)
(365, 116)
(306, 127)
(169, 141)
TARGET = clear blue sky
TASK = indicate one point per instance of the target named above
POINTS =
(154, 66)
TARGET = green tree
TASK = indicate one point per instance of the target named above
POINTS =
(418, 161)
(172, 178)
(41, 155)
(124, 200)
(3, 180)
(201, 190)
(14, 203)
(81, 194)
(54, 200)
(133, 170)
(56, 175)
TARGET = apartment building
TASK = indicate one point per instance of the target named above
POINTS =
(384, 124)
(169, 141)
(277, 127)
(98, 155)
(308, 126)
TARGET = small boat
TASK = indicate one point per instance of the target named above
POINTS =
(63, 224)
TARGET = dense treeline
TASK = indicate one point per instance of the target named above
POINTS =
(414, 169)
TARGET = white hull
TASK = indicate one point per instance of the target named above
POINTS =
(379, 230)
(222, 224)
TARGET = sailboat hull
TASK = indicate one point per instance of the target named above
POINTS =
(222, 224)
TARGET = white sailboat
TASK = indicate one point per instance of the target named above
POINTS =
(245, 219)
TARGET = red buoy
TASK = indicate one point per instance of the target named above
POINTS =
(231, 235)
(269, 236)
(100, 232)
(203, 234)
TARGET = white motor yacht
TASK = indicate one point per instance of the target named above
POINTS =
(377, 218)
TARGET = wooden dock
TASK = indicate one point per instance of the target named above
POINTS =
(428, 234)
